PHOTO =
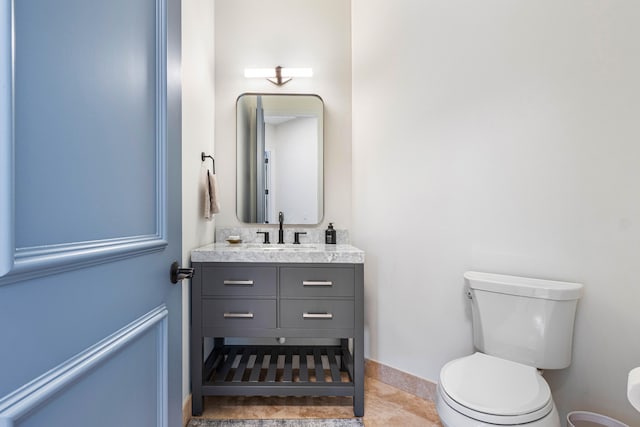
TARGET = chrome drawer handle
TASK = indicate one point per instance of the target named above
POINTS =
(238, 282)
(317, 283)
(317, 316)
(238, 315)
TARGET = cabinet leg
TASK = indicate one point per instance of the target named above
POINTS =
(358, 404)
(358, 393)
(196, 378)
(358, 344)
(358, 375)
(196, 404)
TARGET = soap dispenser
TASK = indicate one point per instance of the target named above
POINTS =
(330, 235)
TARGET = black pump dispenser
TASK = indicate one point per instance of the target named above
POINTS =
(330, 235)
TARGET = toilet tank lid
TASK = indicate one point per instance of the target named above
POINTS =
(524, 286)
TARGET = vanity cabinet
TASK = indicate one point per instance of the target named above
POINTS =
(250, 300)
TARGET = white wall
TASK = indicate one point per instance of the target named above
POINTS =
(293, 33)
(197, 136)
(500, 136)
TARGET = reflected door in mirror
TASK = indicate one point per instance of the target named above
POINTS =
(279, 158)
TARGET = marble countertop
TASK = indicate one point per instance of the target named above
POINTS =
(287, 253)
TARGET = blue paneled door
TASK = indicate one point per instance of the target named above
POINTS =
(90, 324)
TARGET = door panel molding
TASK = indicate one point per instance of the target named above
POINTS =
(7, 245)
(28, 398)
(29, 262)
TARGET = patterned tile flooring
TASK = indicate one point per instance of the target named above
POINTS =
(385, 406)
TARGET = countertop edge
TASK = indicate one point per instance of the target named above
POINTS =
(343, 254)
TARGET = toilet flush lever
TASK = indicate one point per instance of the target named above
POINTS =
(469, 296)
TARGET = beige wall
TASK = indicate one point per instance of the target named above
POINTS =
(499, 136)
(197, 136)
(293, 33)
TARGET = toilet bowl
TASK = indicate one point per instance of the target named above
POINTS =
(482, 390)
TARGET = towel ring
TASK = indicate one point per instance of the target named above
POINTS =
(213, 162)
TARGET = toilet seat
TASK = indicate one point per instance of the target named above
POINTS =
(495, 390)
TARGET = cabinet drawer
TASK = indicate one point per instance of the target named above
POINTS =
(239, 281)
(307, 282)
(245, 313)
(316, 314)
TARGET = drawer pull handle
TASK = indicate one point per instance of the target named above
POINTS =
(317, 316)
(238, 315)
(238, 282)
(317, 283)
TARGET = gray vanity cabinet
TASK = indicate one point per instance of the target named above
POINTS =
(255, 300)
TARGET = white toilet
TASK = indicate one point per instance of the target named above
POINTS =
(520, 325)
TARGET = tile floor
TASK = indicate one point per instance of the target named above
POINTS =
(385, 406)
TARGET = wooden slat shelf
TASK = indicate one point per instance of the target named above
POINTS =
(306, 366)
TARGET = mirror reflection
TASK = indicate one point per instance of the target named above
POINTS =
(279, 143)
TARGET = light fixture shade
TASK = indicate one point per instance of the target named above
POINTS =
(259, 72)
(297, 72)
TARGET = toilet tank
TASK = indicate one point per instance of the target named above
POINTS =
(523, 319)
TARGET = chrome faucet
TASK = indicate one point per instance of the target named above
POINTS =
(280, 231)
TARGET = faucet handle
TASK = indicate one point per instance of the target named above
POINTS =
(266, 236)
(296, 237)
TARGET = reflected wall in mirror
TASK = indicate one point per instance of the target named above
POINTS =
(279, 163)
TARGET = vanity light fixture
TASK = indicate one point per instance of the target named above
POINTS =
(279, 75)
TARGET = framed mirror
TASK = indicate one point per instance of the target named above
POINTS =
(279, 161)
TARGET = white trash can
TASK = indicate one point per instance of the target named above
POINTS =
(591, 419)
